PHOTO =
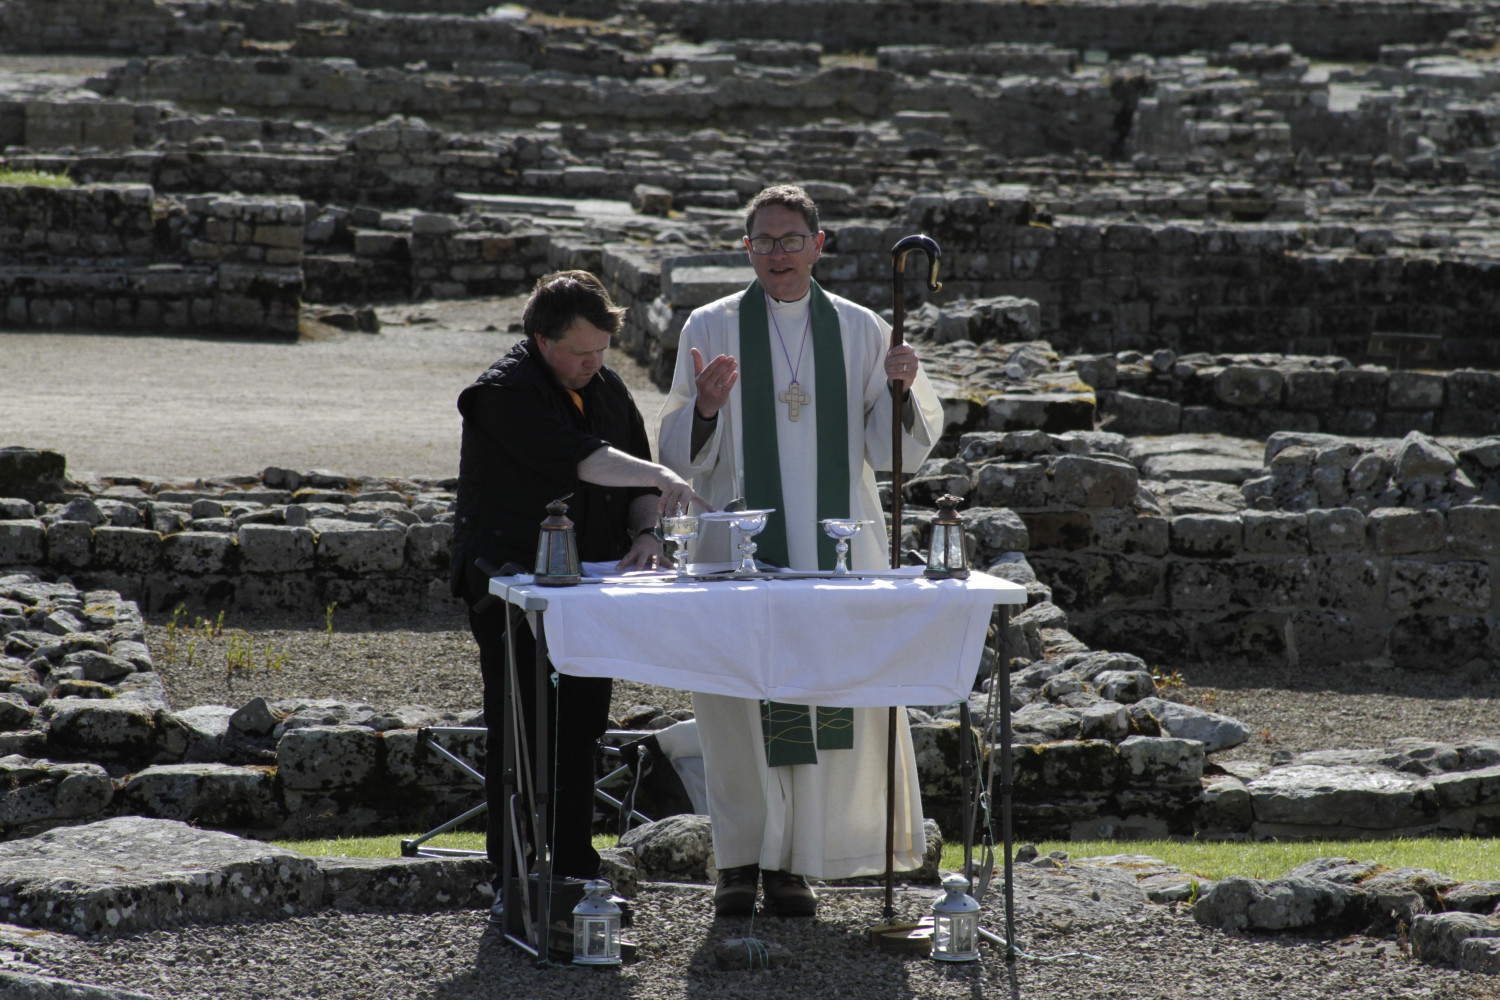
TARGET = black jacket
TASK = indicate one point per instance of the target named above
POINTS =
(523, 438)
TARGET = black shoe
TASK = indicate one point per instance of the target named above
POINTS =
(789, 895)
(734, 896)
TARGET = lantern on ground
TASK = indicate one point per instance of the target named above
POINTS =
(557, 562)
(596, 926)
(947, 558)
(955, 923)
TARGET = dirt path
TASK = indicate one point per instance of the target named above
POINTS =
(178, 408)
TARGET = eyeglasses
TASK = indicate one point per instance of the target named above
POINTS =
(793, 243)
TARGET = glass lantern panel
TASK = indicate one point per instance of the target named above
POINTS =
(955, 553)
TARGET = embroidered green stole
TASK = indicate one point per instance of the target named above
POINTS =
(788, 729)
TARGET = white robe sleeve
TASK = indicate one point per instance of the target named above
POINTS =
(674, 444)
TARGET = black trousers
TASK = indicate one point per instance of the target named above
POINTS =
(577, 716)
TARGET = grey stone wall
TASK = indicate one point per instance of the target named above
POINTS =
(1349, 31)
(1398, 586)
(116, 257)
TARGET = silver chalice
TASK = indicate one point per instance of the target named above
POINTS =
(843, 529)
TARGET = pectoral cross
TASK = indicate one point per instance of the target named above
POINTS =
(795, 399)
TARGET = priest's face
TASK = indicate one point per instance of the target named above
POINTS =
(784, 275)
(577, 355)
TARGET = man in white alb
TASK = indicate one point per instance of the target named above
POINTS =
(782, 396)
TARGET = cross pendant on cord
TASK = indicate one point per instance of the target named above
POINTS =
(795, 399)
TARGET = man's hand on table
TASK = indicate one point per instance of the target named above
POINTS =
(645, 553)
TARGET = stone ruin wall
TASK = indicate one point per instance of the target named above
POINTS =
(1355, 31)
(243, 262)
(118, 258)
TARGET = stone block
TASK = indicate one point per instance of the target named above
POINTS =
(1248, 386)
(22, 543)
(1351, 584)
(320, 758)
(1275, 532)
(1441, 938)
(1005, 484)
(995, 530)
(1447, 587)
(270, 548)
(1342, 799)
(1075, 765)
(1094, 481)
(198, 553)
(1206, 536)
(1129, 532)
(205, 794)
(1338, 529)
(1128, 413)
(1050, 412)
(1224, 806)
(1395, 531)
(1439, 642)
(1161, 762)
(350, 547)
(1187, 722)
(1408, 390)
(1474, 530)
(30, 473)
(1311, 389)
(176, 875)
(1239, 904)
(127, 550)
(429, 546)
(1100, 581)
(40, 791)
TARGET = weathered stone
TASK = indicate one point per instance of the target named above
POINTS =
(1092, 481)
(1339, 530)
(346, 547)
(1161, 762)
(129, 875)
(99, 666)
(674, 849)
(408, 885)
(1248, 386)
(41, 792)
(1275, 532)
(70, 544)
(266, 548)
(200, 553)
(1206, 536)
(1245, 904)
(117, 729)
(1340, 798)
(22, 543)
(206, 794)
(31, 474)
(1398, 532)
(1186, 722)
(1450, 587)
(127, 550)
(326, 757)
(1437, 938)
(1005, 484)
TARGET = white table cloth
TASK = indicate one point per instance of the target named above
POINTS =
(891, 638)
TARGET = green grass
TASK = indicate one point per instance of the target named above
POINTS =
(34, 177)
(1465, 858)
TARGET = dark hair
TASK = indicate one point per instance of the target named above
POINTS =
(563, 296)
(787, 196)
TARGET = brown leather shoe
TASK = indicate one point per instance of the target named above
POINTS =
(734, 896)
(789, 895)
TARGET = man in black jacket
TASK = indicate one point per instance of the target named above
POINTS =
(547, 420)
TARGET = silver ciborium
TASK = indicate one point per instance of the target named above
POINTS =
(746, 524)
(842, 529)
(680, 528)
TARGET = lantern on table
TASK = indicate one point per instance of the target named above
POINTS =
(596, 926)
(557, 562)
(955, 922)
(947, 558)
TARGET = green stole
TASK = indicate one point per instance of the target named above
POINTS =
(788, 729)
